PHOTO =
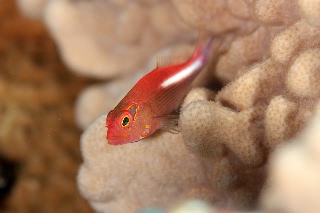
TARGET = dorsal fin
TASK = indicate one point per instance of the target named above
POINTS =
(167, 61)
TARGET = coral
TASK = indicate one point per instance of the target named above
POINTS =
(268, 69)
(192, 206)
(150, 166)
(210, 132)
(37, 128)
(263, 107)
(246, 41)
(244, 50)
(304, 71)
(32, 8)
(201, 13)
(103, 39)
(290, 41)
(260, 109)
(293, 183)
(254, 113)
(126, 178)
(225, 172)
(271, 100)
(309, 10)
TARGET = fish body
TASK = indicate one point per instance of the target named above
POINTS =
(156, 95)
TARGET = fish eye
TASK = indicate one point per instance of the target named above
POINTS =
(125, 121)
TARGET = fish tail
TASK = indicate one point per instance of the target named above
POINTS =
(206, 45)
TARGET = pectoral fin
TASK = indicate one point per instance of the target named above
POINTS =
(170, 123)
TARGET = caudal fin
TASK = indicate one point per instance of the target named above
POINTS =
(206, 45)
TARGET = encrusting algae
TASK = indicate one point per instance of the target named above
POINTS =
(268, 69)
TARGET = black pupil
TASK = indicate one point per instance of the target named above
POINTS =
(125, 121)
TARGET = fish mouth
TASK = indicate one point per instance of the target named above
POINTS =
(116, 139)
(112, 143)
(112, 140)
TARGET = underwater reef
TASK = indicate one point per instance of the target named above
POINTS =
(248, 127)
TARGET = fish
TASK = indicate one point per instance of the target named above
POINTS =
(148, 106)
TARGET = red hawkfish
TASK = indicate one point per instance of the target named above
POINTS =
(149, 104)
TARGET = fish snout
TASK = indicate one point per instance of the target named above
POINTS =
(117, 138)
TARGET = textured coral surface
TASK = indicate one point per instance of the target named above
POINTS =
(160, 172)
(37, 128)
(266, 81)
(300, 190)
(103, 39)
(268, 65)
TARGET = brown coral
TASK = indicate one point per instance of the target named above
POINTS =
(37, 128)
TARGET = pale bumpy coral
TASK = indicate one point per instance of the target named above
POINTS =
(270, 101)
(259, 110)
(124, 179)
(310, 11)
(294, 181)
(32, 8)
(305, 71)
(247, 27)
(226, 173)
(103, 39)
(252, 114)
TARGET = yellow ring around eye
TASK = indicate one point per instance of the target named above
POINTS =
(125, 121)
